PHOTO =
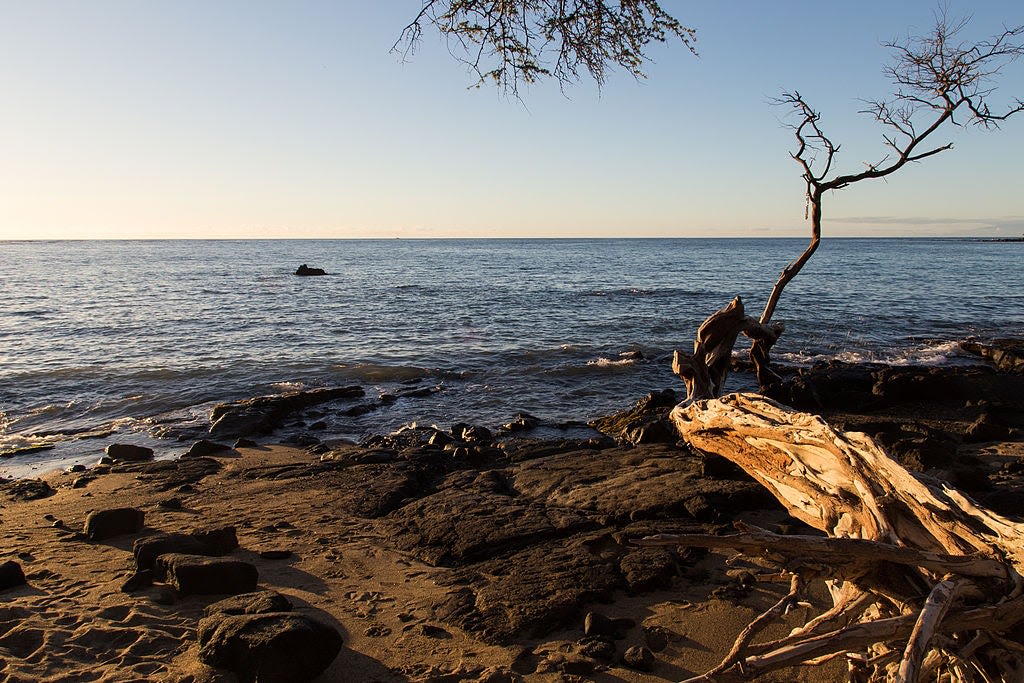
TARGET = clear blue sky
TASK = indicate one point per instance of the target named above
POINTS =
(191, 118)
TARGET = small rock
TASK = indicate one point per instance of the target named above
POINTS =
(245, 443)
(137, 581)
(128, 452)
(11, 575)
(257, 602)
(203, 448)
(201, 575)
(81, 482)
(639, 658)
(987, 428)
(275, 554)
(657, 637)
(596, 648)
(597, 625)
(104, 524)
(104, 461)
(306, 271)
(210, 542)
(434, 632)
(77, 468)
(171, 504)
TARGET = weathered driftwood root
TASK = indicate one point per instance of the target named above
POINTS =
(926, 584)
(704, 371)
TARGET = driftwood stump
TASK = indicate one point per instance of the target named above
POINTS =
(704, 371)
(926, 584)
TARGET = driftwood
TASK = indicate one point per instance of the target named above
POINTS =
(704, 371)
(926, 584)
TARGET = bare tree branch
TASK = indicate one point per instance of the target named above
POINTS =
(509, 42)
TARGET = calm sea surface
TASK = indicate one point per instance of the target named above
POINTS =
(138, 336)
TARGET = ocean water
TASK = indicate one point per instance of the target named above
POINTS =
(141, 338)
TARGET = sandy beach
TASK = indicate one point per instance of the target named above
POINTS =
(435, 564)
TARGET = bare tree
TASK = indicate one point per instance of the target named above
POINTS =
(940, 82)
(926, 583)
(508, 42)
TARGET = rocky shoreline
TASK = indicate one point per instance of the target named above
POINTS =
(460, 554)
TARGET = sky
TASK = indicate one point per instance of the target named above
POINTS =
(280, 119)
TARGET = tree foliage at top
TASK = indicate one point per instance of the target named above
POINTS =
(508, 42)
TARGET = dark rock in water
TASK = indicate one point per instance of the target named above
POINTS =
(76, 468)
(646, 422)
(274, 647)
(103, 524)
(306, 271)
(203, 448)
(245, 443)
(201, 575)
(521, 423)
(129, 452)
(265, 413)
(27, 489)
(25, 450)
(11, 575)
(470, 433)
(639, 657)
(258, 602)
(1006, 354)
(210, 543)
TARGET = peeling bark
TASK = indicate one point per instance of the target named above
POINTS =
(915, 565)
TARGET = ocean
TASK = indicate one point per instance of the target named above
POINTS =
(141, 338)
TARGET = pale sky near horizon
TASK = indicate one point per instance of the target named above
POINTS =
(126, 119)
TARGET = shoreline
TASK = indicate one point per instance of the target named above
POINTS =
(169, 433)
(444, 556)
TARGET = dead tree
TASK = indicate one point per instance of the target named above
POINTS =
(522, 41)
(926, 584)
(939, 82)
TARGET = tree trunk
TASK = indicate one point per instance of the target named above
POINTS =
(917, 568)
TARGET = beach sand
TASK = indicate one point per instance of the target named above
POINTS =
(71, 621)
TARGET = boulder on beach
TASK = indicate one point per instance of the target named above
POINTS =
(129, 452)
(204, 447)
(305, 271)
(11, 575)
(103, 524)
(201, 575)
(271, 647)
(211, 543)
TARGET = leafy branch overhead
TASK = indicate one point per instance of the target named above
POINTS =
(508, 42)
